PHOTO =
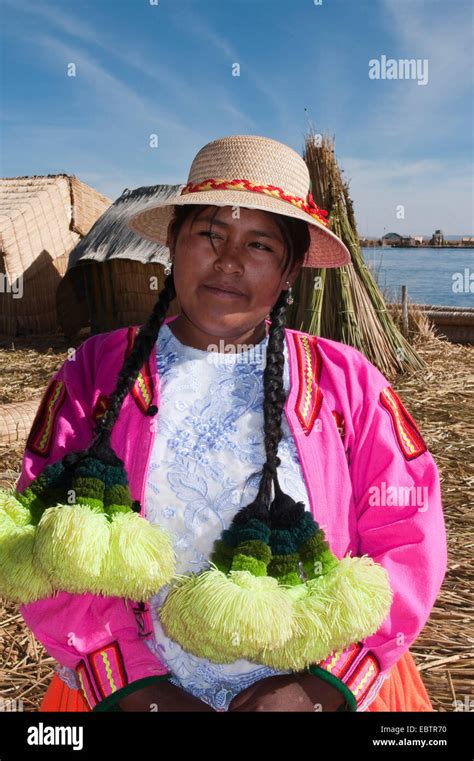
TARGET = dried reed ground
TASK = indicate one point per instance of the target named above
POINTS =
(440, 399)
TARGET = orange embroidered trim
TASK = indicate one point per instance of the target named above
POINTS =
(142, 390)
(339, 662)
(41, 434)
(310, 396)
(108, 669)
(363, 677)
(307, 205)
(87, 686)
(408, 434)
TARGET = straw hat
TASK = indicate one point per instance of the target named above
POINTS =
(256, 173)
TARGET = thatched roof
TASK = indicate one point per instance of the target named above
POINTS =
(110, 237)
(44, 213)
(41, 219)
(117, 294)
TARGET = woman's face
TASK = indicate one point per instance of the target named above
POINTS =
(248, 256)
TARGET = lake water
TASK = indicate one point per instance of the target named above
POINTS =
(430, 274)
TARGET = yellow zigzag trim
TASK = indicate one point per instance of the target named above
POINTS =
(309, 377)
(108, 669)
(369, 673)
(50, 406)
(143, 388)
(83, 687)
(334, 660)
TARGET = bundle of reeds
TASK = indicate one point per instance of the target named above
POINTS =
(345, 304)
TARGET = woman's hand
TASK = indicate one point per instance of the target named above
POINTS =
(162, 697)
(288, 692)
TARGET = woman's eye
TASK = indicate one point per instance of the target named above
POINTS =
(257, 243)
(208, 234)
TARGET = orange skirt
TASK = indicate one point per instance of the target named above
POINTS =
(402, 691)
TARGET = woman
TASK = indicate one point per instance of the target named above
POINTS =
(192, 445)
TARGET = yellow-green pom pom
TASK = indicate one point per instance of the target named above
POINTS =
(20, 579)
(114, 509)
(200, 643)
(332, 611)
(311, 641)
(96, 505)
(29, 499)
(241, 613)
(361, 597)
(71, 545)
(12, 511)
(140, 558)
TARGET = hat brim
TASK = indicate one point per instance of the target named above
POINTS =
(325, 250)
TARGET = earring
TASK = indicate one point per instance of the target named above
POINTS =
(290, 298)
(168, 267)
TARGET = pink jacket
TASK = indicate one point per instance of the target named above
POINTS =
(374, 489)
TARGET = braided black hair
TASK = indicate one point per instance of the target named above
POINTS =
(296, 236)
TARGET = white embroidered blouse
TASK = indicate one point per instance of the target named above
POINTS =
(208, 444)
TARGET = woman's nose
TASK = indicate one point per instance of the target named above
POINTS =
(229, 259)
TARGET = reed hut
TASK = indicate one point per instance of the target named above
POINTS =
(114, 276)
(41, 219)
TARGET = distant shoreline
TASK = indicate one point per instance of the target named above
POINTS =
(364, 243)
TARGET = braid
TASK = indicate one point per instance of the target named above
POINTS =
(144, 343)
(274, 395)
(273, 403)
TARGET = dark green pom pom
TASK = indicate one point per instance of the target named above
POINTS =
(325, 562)
(312, 548)
(281, 564)
(90, 467)
(115, 474)
(282, 542)
(222, 555)
(252, 530)
(87, 487)
(39, 484)
(230, 537)
(305, 529)
(252, 565)
(37, 508)
(255, 549)
(118, 495)
(54, 474)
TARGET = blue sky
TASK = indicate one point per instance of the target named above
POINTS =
(166, 69)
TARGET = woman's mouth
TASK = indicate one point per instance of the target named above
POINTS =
(223, 294)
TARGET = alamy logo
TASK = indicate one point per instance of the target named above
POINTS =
(46, 735)
(399, 496)
(244, 353)
(403, 68)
